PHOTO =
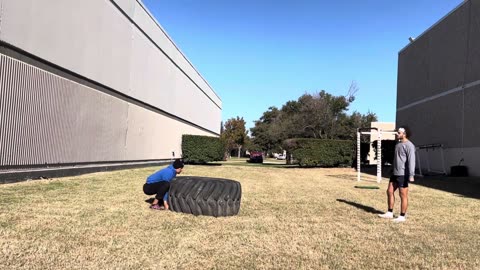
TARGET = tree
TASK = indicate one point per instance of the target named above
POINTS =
(354, 121)
(234, 134)
(317, 115)
(264, 133)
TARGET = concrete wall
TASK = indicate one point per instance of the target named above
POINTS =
(438, 88)
(129, 95)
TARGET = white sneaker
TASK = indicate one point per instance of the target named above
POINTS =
(400, 219)
(386, 215)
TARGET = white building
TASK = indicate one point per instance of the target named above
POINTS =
(94, 82)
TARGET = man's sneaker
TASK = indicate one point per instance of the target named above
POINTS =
(400, 219)
(386, 215)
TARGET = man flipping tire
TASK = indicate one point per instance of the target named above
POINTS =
(403, 173)
(158, 184)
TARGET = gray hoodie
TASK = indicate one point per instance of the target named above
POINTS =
(404, 159)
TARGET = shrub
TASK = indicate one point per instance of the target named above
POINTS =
(201, 149)
(318, 152)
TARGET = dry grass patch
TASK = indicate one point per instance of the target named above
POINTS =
(289, 219)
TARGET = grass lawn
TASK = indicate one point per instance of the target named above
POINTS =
(290, 218)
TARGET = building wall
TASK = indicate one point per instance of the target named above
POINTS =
(438, 88)
(95, 81)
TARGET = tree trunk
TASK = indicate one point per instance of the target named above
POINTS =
(239, 151)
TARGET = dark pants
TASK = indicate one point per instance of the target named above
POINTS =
(159, 189)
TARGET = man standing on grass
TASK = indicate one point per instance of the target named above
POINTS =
(403, 172)
(158, 184)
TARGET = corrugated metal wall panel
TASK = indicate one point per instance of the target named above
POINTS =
(2, 108)
(47, 119)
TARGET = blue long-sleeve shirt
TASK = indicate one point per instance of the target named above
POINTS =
(167, 174)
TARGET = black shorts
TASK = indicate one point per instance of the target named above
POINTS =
(401, 180)
(158, 188)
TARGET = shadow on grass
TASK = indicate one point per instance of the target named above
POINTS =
(365, 208)
(150, 200)
(463, 186)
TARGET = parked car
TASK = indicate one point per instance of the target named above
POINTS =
(282, 157)
(256, 157)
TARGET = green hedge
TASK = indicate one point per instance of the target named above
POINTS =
(318, 152)
(201, 149)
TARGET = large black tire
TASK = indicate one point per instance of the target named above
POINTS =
(205, 196)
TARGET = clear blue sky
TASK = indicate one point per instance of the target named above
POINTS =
(261, 53)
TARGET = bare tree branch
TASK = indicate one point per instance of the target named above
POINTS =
(352, 90)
